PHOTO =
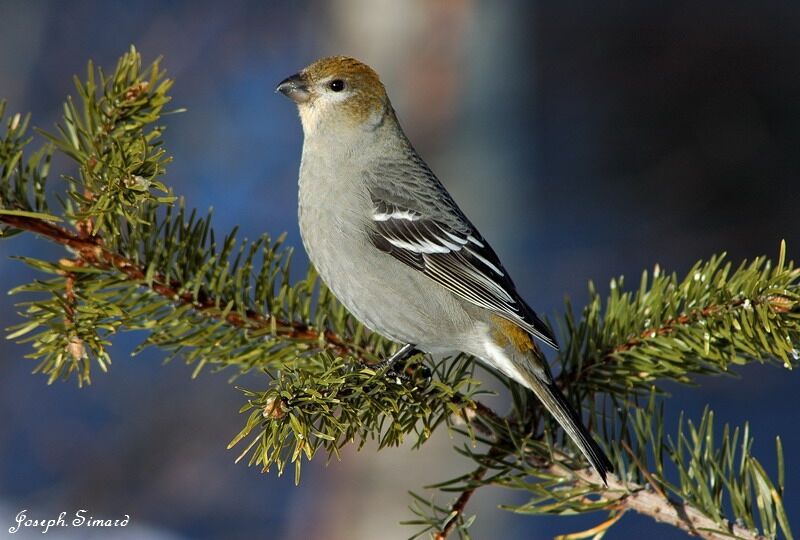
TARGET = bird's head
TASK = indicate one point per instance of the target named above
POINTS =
(337, 93)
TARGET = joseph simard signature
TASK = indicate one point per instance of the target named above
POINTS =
(80, 518)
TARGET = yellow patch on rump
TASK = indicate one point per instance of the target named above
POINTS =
(507, 333)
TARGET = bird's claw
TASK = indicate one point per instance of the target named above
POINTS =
(405, 372)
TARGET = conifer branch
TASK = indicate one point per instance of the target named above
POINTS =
(457, 509)
(138, 260)
(776, 303)
(620, 497)
(91, 251)
(661, 508)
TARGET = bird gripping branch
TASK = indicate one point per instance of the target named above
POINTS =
(392, 245)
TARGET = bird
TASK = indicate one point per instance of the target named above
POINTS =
(396, 250)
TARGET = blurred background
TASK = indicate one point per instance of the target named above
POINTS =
(585, 141)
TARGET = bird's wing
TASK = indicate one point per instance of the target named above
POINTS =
(426, 230)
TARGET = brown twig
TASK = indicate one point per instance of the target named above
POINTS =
(653, 503)
(90, 250)
(650, 501)
(655, 484)
(75, 348)
(778, 303)
(460, 504)
(659, 507)
(457, 508)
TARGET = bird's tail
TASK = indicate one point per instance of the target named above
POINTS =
(555, 402)
(512, 351)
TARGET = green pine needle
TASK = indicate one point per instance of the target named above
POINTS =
(137, 259)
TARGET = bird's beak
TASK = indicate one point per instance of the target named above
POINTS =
(295, 88)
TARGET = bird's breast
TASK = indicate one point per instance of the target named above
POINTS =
(389, 297)
(333, 214)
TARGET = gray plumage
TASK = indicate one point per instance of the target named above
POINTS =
(396, 250)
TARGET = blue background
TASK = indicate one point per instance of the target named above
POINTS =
(585, 142)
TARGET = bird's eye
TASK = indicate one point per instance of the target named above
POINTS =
(337, 85)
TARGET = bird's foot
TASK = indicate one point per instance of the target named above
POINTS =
(397, 367)
(403, 353)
